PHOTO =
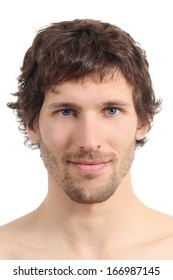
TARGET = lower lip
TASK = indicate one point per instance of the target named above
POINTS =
(90, 168)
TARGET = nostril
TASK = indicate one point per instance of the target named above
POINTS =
(90, 148)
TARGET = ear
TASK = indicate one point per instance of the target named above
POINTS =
(33, 135)
(142, 130)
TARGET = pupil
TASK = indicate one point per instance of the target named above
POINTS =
(112, 111)
(66, 112)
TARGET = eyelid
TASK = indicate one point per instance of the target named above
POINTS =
(73, 112)
(114, 107)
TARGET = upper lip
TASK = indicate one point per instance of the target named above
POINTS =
(89, 162)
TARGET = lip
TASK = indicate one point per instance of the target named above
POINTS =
(89, 166)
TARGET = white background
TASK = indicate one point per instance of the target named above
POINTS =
(23, 179)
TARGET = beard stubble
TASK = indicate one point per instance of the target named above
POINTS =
(83, 192)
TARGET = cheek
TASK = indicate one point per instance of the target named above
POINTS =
(121, 135)
(55, 137)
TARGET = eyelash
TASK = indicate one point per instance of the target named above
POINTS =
(112, 108)
(74, 112)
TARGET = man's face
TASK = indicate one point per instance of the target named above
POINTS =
(87, 132)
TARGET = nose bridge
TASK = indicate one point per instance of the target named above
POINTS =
(89, 136)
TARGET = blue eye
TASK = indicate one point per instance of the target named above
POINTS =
(65, 112)
(112, 111)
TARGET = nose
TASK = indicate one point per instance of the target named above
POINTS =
(88, 134)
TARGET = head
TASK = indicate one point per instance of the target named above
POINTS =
(88, 151)
(72, 50)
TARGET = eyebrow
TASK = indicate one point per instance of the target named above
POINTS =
(117, 103)
(64, 105)
(111, 103)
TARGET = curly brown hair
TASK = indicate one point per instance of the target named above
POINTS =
(70, 50)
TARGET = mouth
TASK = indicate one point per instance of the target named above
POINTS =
(89, 166)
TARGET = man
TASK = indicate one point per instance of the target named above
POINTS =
(85, 99)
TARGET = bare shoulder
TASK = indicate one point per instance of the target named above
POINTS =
(164, 247)
(3, 245)
(7, 241)
(163, 223)
(24, 238)
(167, 224)
(12, 237)
(160, 245)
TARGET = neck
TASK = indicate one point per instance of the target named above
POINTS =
(91, 225)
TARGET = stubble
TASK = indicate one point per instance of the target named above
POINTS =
(89, 188)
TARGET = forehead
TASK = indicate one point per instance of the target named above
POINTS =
(90, 89)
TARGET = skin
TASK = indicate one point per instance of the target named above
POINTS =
(90, 211)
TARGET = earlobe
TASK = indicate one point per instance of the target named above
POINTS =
(141, 131)
(33, 135)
